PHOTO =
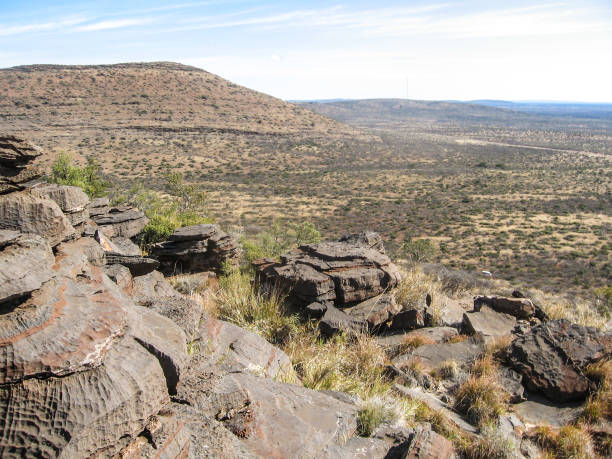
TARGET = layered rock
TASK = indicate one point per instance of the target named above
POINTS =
(521, 308)
(27, 213)
(82, 368)
(330, 273)
(71, 199)
(552, 356)
(26, 262)
(17, 163)
(196, 248)
(121, 221)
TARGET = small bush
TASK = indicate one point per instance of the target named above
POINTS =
(419, 250)
(87, 178)
(446, 370)
(281, 237)
(414, 287)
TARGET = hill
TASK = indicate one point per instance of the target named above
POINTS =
(135, 118)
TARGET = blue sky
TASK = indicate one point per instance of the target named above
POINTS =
(472, 49)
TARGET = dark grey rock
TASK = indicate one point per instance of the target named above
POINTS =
(551, 357)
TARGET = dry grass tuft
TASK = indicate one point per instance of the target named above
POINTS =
(599, 404)
(492, 444)
(485, 366)
(446, 370)
(481, 399)
(569, 442)
(241, 303)
(410, 343)
(377, 411)
(413, 289)
(355, 365)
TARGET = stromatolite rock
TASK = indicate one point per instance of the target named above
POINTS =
(551, 357)
(82, 369)
(71, 199)
(17, 163)
(120, 221)
(196, 248)
(330, 273)
(26, 213)
(26, 262)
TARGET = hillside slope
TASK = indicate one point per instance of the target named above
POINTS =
(134, 117)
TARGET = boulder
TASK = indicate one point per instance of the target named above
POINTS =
(184, 312)
(26, 262)
(409, 319)
(26, 213)
(330, 273)
(336, 321)
(375, 311)
(427, 444)
(71, 199)
(488, 324)
(121, 221)
(452, 312)
(196, 248)
(222, 347)
(82, 369)
(315, 310)
(551, 357)
(521, 308)
(18, 163)
(511, 381)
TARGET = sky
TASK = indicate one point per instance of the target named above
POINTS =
(302, 50)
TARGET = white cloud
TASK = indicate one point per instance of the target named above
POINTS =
(41, 27)
(114, 24)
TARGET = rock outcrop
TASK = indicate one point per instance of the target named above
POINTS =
(83, 369)
(27, 213)
(71, 199)
(18, 160)
(552, 356)
(26, 262)
(196, 248)
(330, 273)
(521, 308)
(120, 221)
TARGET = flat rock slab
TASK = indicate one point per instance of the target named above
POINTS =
(432, 355)
(26, 262)
(27, 213)
(452, 312)
(271, 418)
(488, 323)
(539, 410)
(551, 357)
(435, 334)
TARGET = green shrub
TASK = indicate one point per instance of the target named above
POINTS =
(281, 237)
(87, 178)
(419, 250)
